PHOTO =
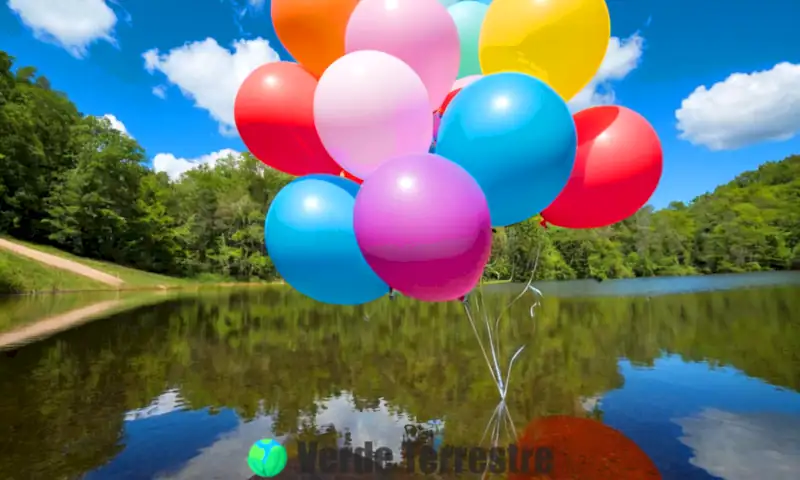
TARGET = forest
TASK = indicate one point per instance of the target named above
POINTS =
(71, 181)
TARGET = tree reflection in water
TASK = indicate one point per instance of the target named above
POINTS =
(274, 352)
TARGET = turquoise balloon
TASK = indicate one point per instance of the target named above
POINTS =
(516, 136)
(448, 3)
(469, 18)
(312, 243)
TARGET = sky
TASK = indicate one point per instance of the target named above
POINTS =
(719, 80)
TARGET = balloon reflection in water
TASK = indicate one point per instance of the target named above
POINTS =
(586, 449)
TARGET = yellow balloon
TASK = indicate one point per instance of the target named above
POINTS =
(561, 42)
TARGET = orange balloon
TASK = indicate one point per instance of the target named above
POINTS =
(312, 30)
(567, 448)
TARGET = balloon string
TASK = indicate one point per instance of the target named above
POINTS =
(483, 349)
(494, 346)
(510, 423)
(528, 287)
(502, 382)
(501, 417)
(494, 426)
(493, 350)
(495, 441)
(495, 413)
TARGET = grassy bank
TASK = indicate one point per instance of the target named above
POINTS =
(20, 274)
(131, 276)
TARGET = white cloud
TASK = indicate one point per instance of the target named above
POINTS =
(590, 404)
(175, 167)
(116, 124)
(744, 109)
(622, 57)
(224, 458)
(380, 426)
(167, 402)
(744, 446)
(209, 74)
(72, 24)
(160, 91)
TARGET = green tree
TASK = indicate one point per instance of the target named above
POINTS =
(76, 183)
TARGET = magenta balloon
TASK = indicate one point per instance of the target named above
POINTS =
(423, 225)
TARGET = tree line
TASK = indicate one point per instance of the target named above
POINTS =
(72, 181)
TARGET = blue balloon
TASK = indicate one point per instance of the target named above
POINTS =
(310, 238)
(516, 136)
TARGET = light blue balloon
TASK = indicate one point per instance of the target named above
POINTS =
(311, 241)
(468, 17)
(516, 136)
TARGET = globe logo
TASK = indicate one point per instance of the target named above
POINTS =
(266, 458)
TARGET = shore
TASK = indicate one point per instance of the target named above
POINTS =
(149, 288)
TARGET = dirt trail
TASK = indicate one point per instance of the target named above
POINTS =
(62, 263)
(55, 324)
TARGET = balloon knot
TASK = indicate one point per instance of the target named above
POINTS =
(543, 223)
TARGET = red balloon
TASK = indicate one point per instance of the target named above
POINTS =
(274, 113)
(350, 176)
(617, 168)
(449, 98)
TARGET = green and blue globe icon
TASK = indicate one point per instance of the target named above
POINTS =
(266, 458)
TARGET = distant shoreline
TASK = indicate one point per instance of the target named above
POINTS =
(148, 288)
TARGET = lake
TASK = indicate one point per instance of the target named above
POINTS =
(702, 373)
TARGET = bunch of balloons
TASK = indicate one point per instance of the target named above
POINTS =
(416, 127)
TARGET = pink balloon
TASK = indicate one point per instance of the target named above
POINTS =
(423, 225)
(463, 82)
(368, 107)
(420, 32)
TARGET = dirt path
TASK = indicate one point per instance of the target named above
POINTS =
(62, 263)
(55, 324)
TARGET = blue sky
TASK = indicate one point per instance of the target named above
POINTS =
(94, 50)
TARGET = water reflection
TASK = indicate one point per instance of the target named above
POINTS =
(167, 402)
(659, 285)
(180, 390)
(658, 406)
(743, 446)
(222, 457)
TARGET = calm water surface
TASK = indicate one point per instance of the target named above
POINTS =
(703, 373)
